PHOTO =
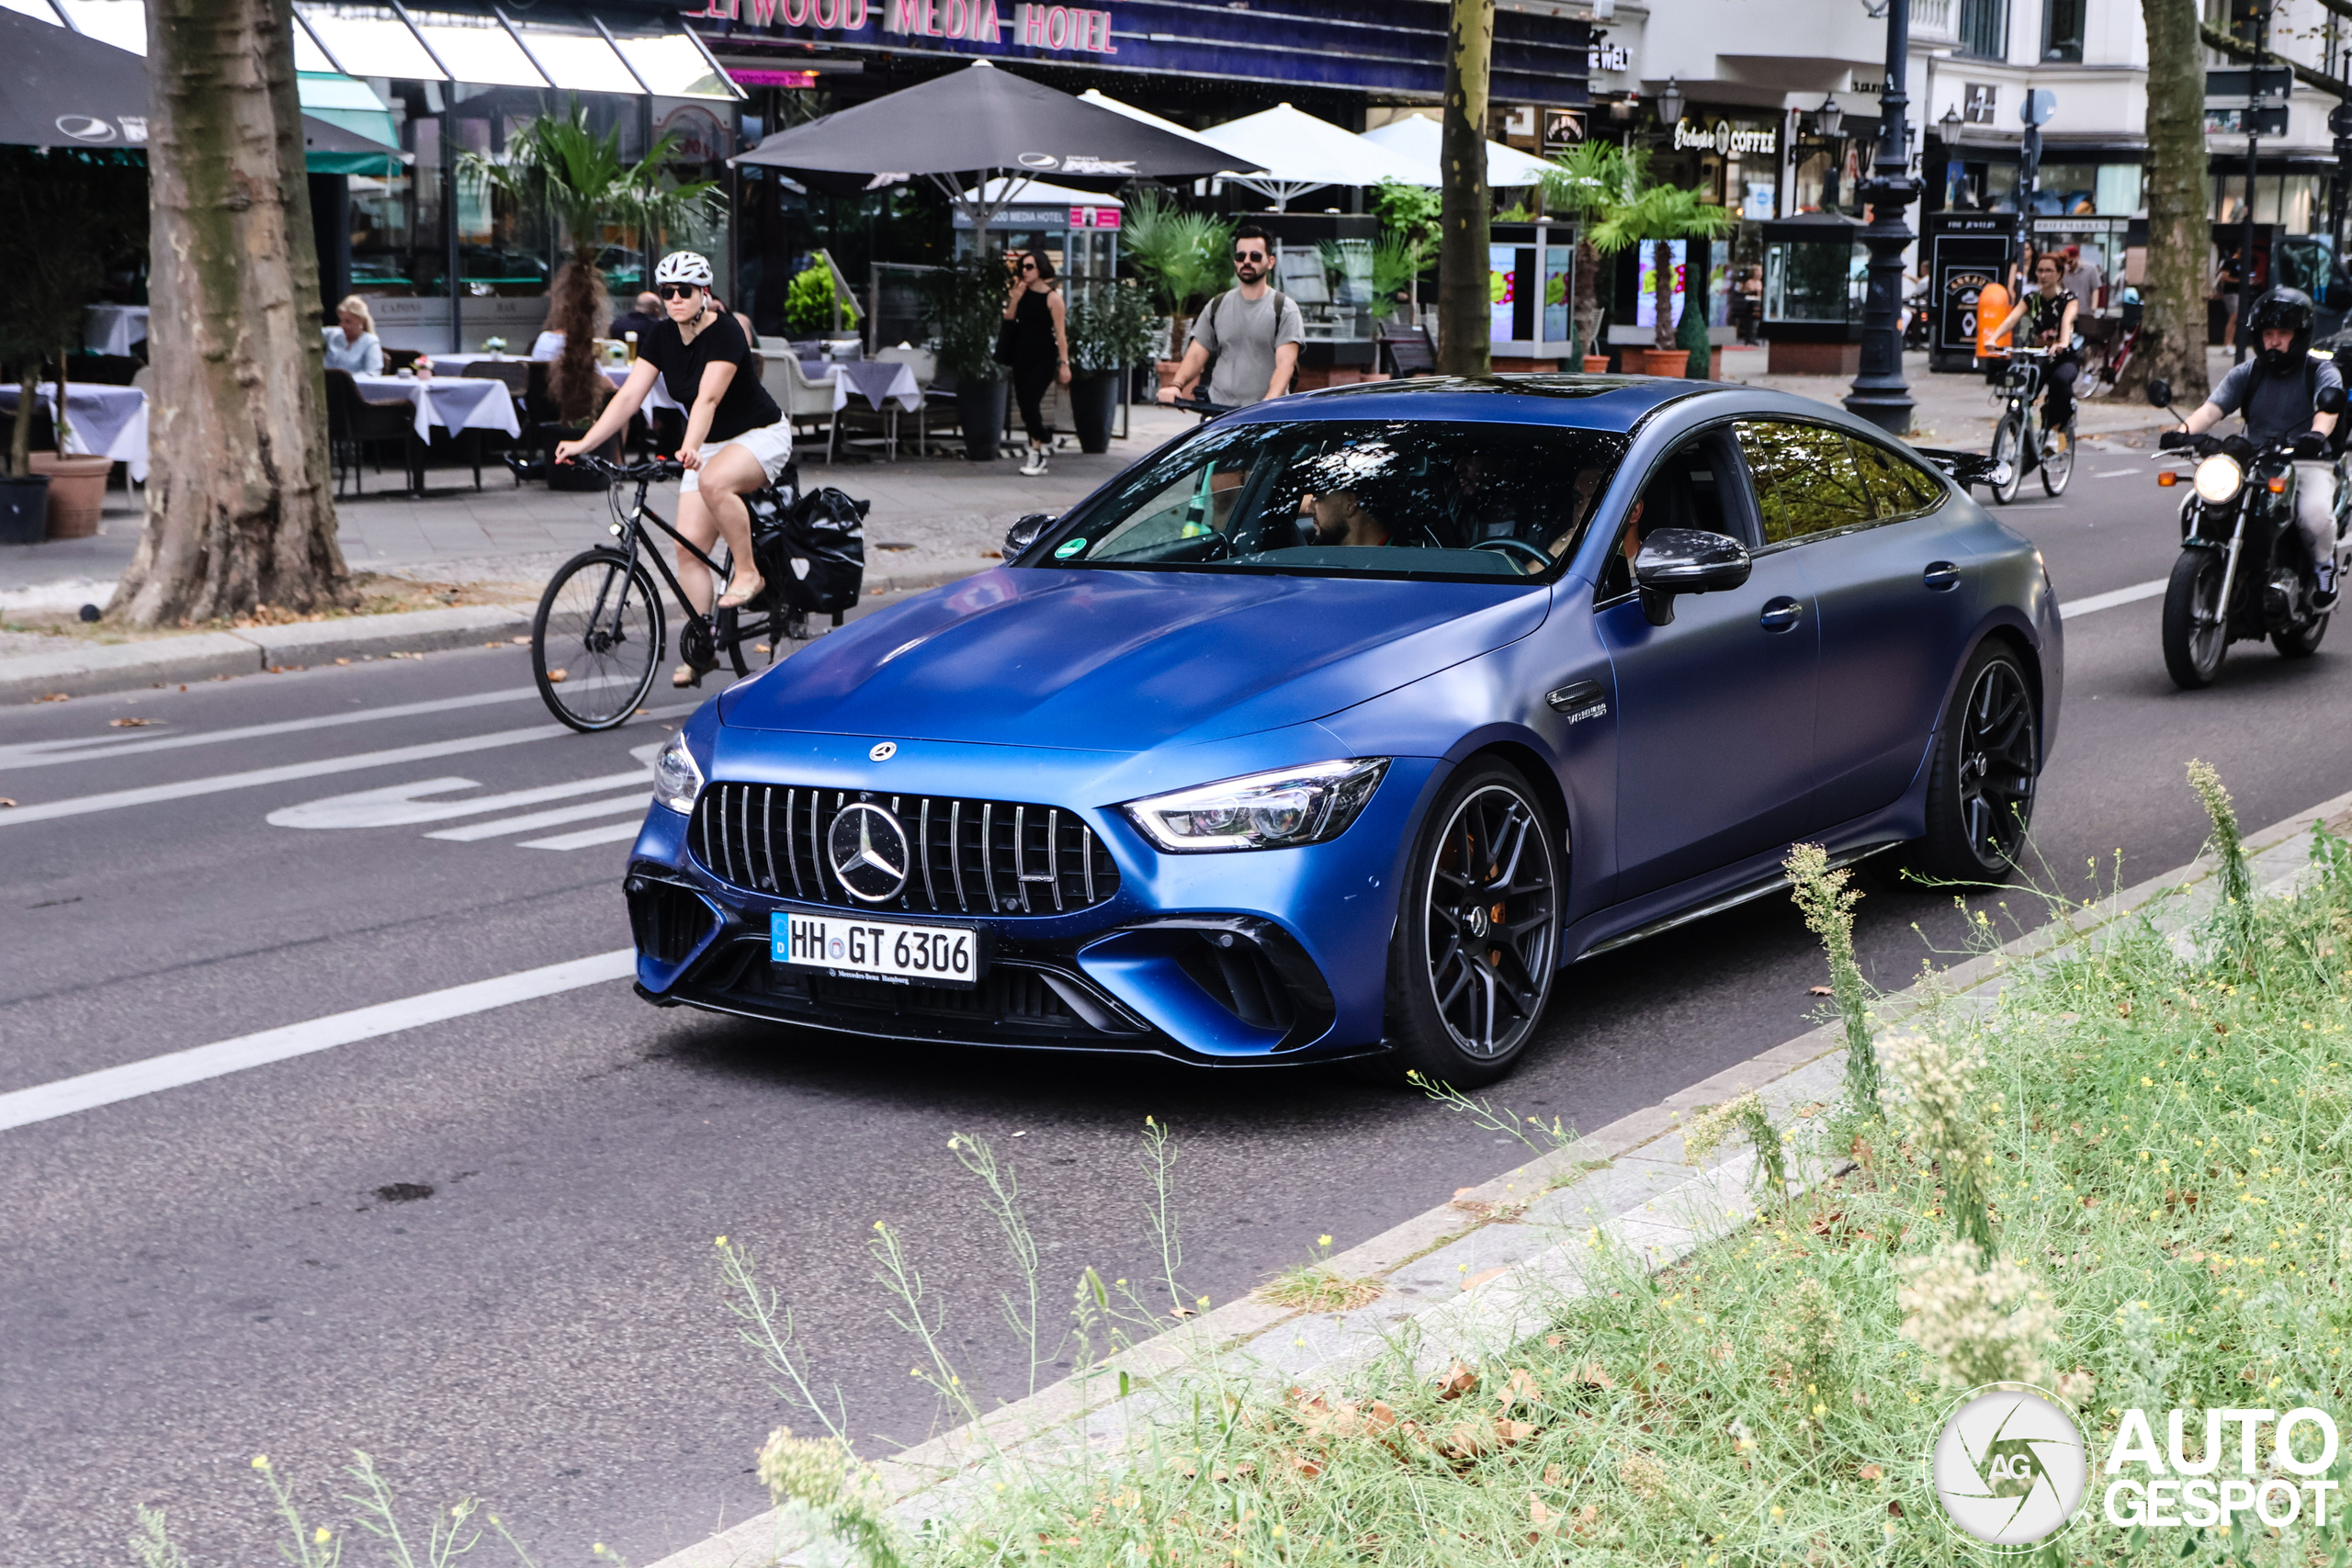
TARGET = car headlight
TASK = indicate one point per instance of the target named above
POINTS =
(677, 777)
(2219, 479)
(1274, 810)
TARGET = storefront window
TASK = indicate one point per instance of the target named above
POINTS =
(2291, 201)
(1814, 280)
(2118, 189)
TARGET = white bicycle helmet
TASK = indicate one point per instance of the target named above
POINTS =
(684, 267)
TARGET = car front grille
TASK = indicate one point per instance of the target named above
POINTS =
(972, 857)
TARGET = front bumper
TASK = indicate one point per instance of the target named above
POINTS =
(1212, 958)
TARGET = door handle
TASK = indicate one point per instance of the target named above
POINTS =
(1940, 575)
(1781, 614)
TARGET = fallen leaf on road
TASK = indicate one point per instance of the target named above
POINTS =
(1458, 1380)
(1181, 1312)
(1819, 991)
(128, 723)
(520, 641)
(556, 677)
(53, 697)
(1481, 1278)
(347, 661)
(7, 803)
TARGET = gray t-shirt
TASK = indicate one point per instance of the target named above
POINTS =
(2275, 407)
(1243, 335)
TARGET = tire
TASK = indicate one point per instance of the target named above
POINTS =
(2197, 632)
(600, 624)
(1466, 991)
(1983, 774)
(2300, 641)
(2057, 470)
(2008, 447)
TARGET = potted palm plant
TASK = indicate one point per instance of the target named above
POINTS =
(964, 305)
(1589, 182)
(1183, 257)
(555, 165)
(1658, 215)
(1111, 327)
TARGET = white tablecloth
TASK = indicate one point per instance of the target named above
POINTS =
(878, 382)
(659, 398)
(108, 420)
(112, 329)
(453, 402)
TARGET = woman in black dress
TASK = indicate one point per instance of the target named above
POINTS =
(1040, 350)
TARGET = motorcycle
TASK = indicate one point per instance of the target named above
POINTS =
(2241, 575)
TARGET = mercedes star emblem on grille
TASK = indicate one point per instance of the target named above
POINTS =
(867, 849)
(884, 750)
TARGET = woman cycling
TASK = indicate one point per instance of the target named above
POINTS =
(1040, 350)
(2049, 315)
(737, 440)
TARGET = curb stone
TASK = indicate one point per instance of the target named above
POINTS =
(1464, 1283)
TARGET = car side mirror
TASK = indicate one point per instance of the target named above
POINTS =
(1023, 534)
(1686, 560)
(2331, 400)
(2160, 393)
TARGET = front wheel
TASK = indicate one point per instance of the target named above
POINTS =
(2058, 468)
(1982, 776)
(1471, 965)
(596, 639)
(2008, 458)
(2196, 631)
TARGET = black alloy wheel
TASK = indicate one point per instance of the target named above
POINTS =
(1981, 779)
(1472, 964)
(596, 639)
(2196, 626)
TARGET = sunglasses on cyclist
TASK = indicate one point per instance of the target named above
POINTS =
(677, 291)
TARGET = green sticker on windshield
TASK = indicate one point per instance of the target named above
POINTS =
(1068, 549)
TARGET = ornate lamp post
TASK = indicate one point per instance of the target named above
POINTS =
(1879, 393)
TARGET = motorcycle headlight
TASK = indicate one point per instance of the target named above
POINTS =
(1260, 811)
(677, 777)
(2219, 479)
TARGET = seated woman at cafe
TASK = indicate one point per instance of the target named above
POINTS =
(351, 342)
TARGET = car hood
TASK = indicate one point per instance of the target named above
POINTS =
(1125, 660)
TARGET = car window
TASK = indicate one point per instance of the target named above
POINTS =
(1390, 498)
(1898, 487)
(1685, 490)
(1807, 481)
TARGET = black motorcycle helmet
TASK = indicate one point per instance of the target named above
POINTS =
(2288, 309)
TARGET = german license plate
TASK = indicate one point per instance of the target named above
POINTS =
(876, 950)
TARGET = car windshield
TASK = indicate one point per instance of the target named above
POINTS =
(1373, 497)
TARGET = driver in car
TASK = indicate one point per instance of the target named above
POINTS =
(1341, 519)
(2276, 390)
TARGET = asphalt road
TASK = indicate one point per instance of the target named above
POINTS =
(231, 1267)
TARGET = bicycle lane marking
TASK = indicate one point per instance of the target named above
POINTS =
(116, 800)
(104, 748)
(175, 1069)
(405, 804)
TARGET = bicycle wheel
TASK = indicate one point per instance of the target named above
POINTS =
(597, 639)
(2059, 467)
(2008, 458)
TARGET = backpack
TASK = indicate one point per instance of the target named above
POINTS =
(1208, 369)
(811, 547)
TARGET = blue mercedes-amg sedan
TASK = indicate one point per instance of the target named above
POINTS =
(1339, 727)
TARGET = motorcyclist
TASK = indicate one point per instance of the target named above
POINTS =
(2276, 390)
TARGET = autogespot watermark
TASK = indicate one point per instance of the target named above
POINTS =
(2011, 1467)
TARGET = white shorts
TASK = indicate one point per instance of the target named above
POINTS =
(771, 444)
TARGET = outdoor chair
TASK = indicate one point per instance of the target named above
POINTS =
(925, 365)
(800, 399)
(1408, 353)
(355, 423)
(398, 359)
(104, 370)
(516, 375)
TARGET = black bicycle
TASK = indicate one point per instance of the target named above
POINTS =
(596, 643)
(2019, 443)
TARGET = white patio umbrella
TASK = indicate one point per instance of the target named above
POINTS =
(1301, 152)
(1420, 139)
(1102, 100)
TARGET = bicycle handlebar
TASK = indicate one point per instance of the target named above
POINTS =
(657, 468)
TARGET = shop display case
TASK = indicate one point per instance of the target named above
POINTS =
(1532, 288)
(1323, 261)
(1815, 273)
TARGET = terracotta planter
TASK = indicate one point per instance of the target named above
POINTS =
(77, 492)
(1665, 361)
(1596, 365)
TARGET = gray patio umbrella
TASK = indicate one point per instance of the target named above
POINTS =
(983, 130)
(64, 90)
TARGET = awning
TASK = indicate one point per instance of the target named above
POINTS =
(347, 103)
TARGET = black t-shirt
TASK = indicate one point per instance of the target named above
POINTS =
(746, 406)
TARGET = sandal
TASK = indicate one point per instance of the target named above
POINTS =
(686, 675)
(743, 592)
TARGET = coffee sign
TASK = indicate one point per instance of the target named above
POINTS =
(1722, 140)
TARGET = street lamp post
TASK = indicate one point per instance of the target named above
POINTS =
(1879, 393)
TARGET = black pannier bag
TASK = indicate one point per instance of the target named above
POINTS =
(811, 547)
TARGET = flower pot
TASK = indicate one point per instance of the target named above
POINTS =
(1596, 365)
(1094, 398)
(1665, 361)
(23, 509)
(77, 492)
(979, 404)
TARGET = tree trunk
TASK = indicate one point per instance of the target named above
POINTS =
(1662, 286)
(239, 506)
(1588, 311)
(1464, 302)
(20, 440)
(577, 308)
(2180, 198)
(57, 422)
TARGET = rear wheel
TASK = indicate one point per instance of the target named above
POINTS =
(1982, 778)
(1470, 968)
(2057, 467)
(596, 639)
(2009, 458)
(2197, 632)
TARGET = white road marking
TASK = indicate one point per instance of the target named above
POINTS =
(617, 832)
(115, 800)
(49, 753)
(397, 804)
(2068, 609)
(2117, 473)
(66, 1096)
(635, 804)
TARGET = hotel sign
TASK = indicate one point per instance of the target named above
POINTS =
(1060, 28)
